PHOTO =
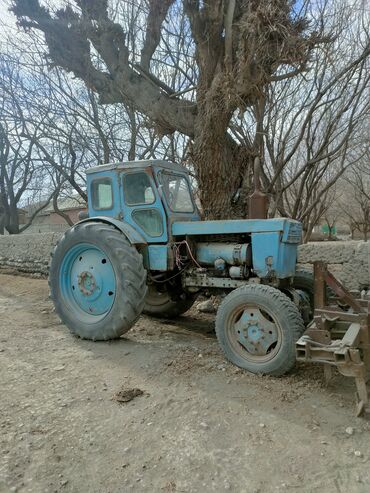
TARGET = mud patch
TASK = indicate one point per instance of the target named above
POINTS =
(127, 395)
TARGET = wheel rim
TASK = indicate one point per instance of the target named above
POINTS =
(254, 333)
(88, 282)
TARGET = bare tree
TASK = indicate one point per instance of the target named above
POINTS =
(238, 49)
(19, 167)
(355, 198)
(310, 124)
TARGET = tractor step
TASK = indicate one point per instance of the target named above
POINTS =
(339, 335)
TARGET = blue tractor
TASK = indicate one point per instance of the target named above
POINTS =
(144, 249)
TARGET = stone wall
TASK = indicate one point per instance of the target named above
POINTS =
(27, 253)
(348, 260)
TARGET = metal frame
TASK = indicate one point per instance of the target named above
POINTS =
(339, 336)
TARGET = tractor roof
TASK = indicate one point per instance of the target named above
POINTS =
(141, 164)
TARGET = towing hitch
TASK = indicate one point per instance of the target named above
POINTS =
(339, 335)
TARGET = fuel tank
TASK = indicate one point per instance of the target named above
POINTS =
(231, 253)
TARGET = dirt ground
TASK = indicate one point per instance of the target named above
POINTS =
(194, 423)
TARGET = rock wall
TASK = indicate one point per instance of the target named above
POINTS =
(28, 253)
(348, 260)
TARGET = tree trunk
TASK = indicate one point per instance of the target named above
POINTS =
(223, 168)
(223, 172)
(12, 222)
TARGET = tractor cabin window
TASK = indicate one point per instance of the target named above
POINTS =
(177, 192)
(149, 220)
(137, 189)
(102, 194)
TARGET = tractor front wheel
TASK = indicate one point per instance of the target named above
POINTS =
(97, 281)
(257, 327)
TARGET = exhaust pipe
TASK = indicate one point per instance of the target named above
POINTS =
(258, 201)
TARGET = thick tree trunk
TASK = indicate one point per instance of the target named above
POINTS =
(223, 168)
(12, 223)
(223, 172)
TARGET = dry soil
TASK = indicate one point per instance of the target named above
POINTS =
(160, 410)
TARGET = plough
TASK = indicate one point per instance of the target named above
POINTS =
(339, 335)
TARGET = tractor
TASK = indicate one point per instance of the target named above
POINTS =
(143, 248)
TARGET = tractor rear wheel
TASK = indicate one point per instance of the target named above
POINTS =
(97, 281)
(160, 304)
(303, 282)
(257, 327)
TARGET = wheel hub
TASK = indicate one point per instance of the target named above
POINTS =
(255, 332)
(86, 283)
(88, 280)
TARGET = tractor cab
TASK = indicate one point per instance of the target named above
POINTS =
(147, 195)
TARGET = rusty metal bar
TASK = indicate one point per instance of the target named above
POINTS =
(319, 269)
(341, 291)
(337, 337)
(331, 314)
(352, 336)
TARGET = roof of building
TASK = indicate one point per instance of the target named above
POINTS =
(66, 203)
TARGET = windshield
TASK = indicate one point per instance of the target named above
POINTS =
(177, 192)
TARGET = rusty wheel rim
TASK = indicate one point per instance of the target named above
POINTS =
(254, 333)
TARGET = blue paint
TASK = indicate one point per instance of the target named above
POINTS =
(88, 282)
(123, 212)
(273, 241)
(116, 203)
(151, 221)
(158, 257)
(271, 256)
(229, 227)
(277, 252)
(233, 254)
(134, 237)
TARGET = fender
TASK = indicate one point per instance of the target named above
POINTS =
(131, 234)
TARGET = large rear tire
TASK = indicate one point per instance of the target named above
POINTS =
(160, 304)
(257, 327)
(97, 281)
(304, 283)
(304, 280)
